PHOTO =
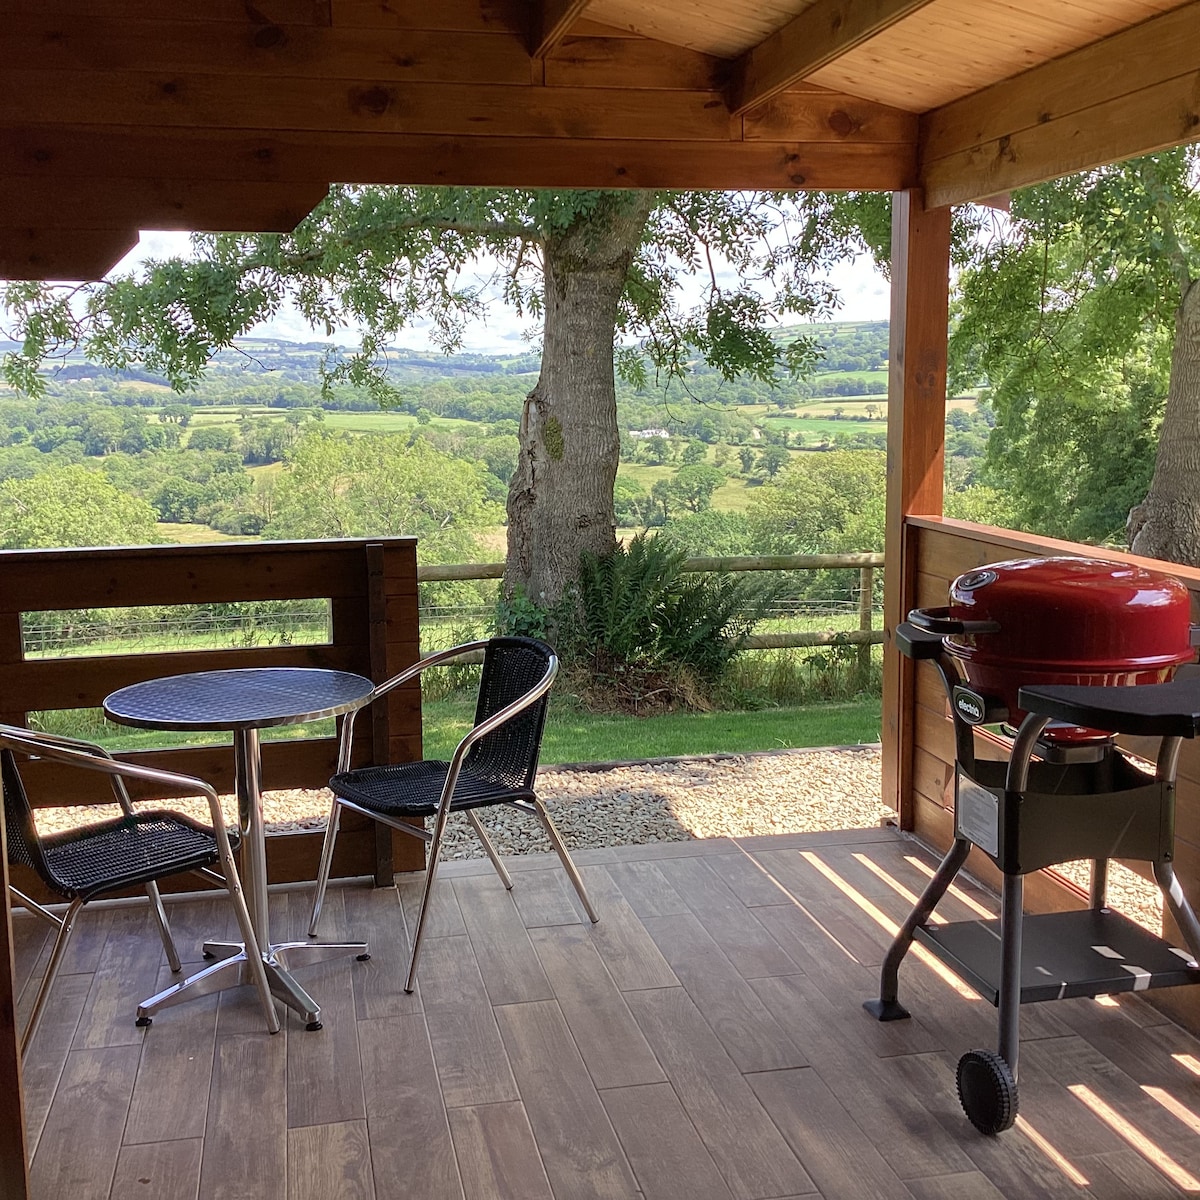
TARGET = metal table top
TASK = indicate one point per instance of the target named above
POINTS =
(246, 698)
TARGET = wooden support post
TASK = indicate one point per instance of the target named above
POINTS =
(14, 1165)
(916, 443)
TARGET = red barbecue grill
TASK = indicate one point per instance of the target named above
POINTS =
(1061, 654)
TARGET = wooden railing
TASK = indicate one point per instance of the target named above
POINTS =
(371, 586)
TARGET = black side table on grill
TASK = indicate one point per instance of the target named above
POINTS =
(243, 702)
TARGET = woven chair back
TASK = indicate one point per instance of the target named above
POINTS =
(508, 756)
(19, 828)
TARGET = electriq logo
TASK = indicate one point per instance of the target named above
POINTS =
(969, 706)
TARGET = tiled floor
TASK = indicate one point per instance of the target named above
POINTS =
(704, 1040)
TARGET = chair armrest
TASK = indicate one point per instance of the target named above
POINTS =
(28, 736)
(96, 758)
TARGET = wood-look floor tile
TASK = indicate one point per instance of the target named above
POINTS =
(166, 1170)
(245, 1139)
(750, 1034)
(620, 938)
(546, 898)
(31, 935)
(827, 837)
(646, 889)
(1048, 1067)
(497, 1154)
(966, 1185)
(126, 974)
(374, 916)
(47, 1055)
(829, 1029)
(825, 1137)
(195, 921)
(1125, 1175)
(746, 943)
(746, 1146)
(816, 949)
(664, 1149)
(77, 1154)
(449, 974)
(748, 879)
(511, 971)
(472, 1064)
(330, 1161)
(411, 1152)
(444, 918)
(845, 1046)
(170, 1097)
(604, 1030)
(324, 1084)
(583, 1159)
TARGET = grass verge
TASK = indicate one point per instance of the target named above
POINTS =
(573, 735)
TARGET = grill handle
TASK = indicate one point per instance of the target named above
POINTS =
(939, 620)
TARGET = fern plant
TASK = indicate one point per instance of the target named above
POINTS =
(642, 623)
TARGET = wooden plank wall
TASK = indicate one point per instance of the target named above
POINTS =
(945, 548)
(372, 588)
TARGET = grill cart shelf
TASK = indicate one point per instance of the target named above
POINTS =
(1067, 791)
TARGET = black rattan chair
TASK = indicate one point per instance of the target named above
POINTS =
(133, 850)
(494, 764)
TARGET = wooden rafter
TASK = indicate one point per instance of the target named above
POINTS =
(821, 33)
(1133, 93)
(557, 17)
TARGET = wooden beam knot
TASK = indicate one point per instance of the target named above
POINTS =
(268, 37)
(841, 122)
(374, 101)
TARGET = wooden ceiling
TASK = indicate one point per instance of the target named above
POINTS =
(120, 115)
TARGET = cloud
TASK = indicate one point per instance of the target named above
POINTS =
(864, 294)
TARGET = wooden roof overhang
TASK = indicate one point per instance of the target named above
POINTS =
(236, 114)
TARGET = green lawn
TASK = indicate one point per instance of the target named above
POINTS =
(576, 736)
(572, 735)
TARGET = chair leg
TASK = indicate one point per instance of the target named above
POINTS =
(560, 848)
(164, 928)
(489, 847)
(435, 846)
(66, 925)
(331, 832)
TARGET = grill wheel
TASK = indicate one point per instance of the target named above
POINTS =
(987, 1090)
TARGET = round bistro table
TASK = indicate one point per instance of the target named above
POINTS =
(243, 702)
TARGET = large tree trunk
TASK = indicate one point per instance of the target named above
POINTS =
(1167, 523)
(560, 499)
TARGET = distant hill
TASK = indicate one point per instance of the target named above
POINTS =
(849, 346)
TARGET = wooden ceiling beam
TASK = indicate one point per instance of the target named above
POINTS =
(1133, 93)
(821, 33)
(555, 19)
(76, 254)
(203, 205)
(180, 162)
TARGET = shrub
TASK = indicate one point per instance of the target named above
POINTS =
(645, 634)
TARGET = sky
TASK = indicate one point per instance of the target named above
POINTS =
(863, 289)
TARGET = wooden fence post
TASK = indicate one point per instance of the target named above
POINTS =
(866, 604)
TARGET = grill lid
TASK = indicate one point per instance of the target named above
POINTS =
(1071, 614)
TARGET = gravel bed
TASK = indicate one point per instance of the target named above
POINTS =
(672, 800)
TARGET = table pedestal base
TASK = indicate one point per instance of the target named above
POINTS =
(232, 970)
